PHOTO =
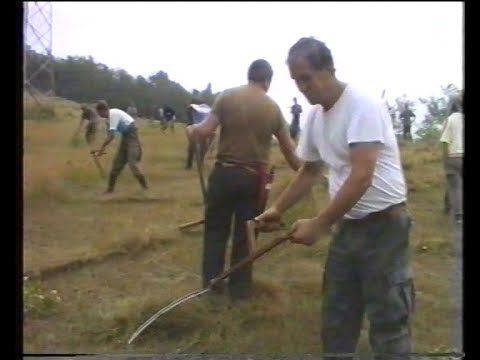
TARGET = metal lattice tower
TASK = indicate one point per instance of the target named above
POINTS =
(37, 36)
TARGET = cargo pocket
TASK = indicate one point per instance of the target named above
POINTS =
(140, 152)
(401, 283)
(391, 301)
(134, 149)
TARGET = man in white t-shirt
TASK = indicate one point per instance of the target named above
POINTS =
(452, 139)
(129, 151)
(367, 269)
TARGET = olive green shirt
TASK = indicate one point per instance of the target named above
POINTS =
(248, 118)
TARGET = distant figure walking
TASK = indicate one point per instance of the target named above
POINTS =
(132, 110)
(295, 125)
(406, 116)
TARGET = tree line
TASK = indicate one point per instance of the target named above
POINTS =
(84, 80)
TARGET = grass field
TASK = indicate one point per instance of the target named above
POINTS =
(95, 270)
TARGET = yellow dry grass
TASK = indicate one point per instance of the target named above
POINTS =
(135, 260)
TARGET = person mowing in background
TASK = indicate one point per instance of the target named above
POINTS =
(129, 150)
(295, 125)
(132, 110)
(159, 114)
(93, 124)
(406, 116)
(195, 115)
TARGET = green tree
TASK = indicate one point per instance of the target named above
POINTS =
(437, 112)
(82, 79)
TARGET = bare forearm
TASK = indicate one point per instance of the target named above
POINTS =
(292, 158)
(205, 129)
(108, 140)
(346, 198)
(294, 162)
(287, 147)
(297, 189)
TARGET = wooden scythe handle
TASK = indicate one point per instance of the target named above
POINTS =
(190, 224)
(249, 259)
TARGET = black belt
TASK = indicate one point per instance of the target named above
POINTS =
(250, 168)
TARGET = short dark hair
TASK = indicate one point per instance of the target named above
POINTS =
(102, 105)
(260, 70)
(315, 51)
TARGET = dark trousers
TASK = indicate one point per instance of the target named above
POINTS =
(367, 271)
(232, 193)
(129, 152)
(407, 135)
(294, 127)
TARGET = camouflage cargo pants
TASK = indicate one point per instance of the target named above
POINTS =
(129, 152)
(367, 271)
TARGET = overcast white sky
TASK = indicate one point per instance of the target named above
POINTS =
(404, 47)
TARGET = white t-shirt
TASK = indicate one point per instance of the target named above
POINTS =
(119, 120)
(453, 134)
(200, 112)
(355, 117)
